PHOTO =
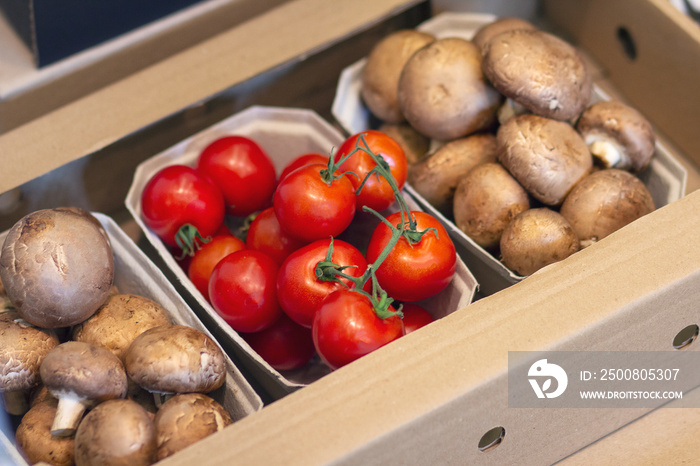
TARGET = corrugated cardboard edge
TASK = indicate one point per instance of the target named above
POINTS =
(444, 387)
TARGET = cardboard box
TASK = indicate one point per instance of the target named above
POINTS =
(136, 274)
(432, 396)
(666, 178)
(283, 133)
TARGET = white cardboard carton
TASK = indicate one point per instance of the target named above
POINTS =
(283, 133)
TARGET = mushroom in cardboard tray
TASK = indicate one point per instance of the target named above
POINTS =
(185, 419)
(492, 29)
(546, 156)
(536, 238)
(485, 201)
(22, 349)
(57, 267)
(119, 321)
(81, 375)
(116, 432)
(435, 177)
(380, 74)
(443, 93)
(34, 438)
(604, 202)
(538, 72)
(618, 135)
(175, 359)
(415, 145)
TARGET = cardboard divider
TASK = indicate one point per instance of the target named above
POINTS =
(135, 273)
(665, 178)
(283, 133)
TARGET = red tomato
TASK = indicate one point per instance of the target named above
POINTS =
(309, 208)
(177, 196)
(305, 159)
(285, 345)
(415, 317)
(412, 272)
(264, 234)
(300, 292)
(204, 260)
(346, 328)
(376, 193)
(242, 170)
(242, 290)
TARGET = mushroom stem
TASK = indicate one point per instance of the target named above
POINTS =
(159, 398)
(509, 109)
(68, 414)
(605, 151)
(15, 402)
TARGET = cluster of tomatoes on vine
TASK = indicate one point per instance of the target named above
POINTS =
(293, 285)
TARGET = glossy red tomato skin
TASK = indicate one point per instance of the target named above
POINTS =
(242, 170)
(285, 345)
(266, 235)
(346, 328)
(415, 317)
(418, 271)
(242, 290)
(308, 208)
(177, 195)
(299, 292)
(376, 193)
(205, 259)
(304, 159)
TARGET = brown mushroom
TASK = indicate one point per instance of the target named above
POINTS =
(443, 93)
(435, 177)
(414, 144)
(175, 359)
(186, 419)
(485, 201)
(618, 135)
(605, 201)
(536, 238)
(116, 433)
(380, 74)
(80, 375)
(547, 157)
(119, 321)
(34, 438)
(22, 349)
(539, 71)
(492, 29)
(57, 267)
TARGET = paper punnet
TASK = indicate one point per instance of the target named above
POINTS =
(283, 133)
(666, 177)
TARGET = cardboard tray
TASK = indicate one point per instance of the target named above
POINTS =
(283, 133)
(135, 273)
(665, 178)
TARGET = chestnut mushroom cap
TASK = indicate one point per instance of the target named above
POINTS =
(187, 418)
(443, 93)
(618, 135)
(34, 439)
(414, 144)
(536, 238)
(57, 267)
(605, 201)
(546, 156)
(485, 201)
(81, 375)
(486, 32)
(435, 177)
(116, 432)
(119, 321)
(22, 349)
(539, 71)
(380, 74)
(175, 359)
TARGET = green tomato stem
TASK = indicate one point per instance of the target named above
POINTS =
(189, 240)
